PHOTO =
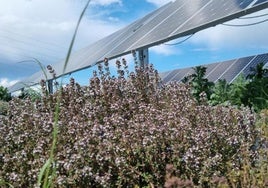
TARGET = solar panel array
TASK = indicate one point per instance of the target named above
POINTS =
(228, 70)
(173, 20)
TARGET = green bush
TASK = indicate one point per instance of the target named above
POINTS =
(3, 107)
(4, 95)
(31, 94)
(128, 131)
(251, 91)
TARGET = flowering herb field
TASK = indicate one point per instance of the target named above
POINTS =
(132, 131)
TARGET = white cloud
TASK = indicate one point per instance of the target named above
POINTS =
(39, 28)
(43, 29)
(6, 82)
(164, 50)
(159, 2)
(106, 2)
(206, 49)
(232, 37)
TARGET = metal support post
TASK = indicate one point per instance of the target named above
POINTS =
(143, 57)
(50, 86)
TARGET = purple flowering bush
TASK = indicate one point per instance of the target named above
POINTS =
(128, 131)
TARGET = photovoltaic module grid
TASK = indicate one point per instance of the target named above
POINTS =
(174, 20)
(227, 70)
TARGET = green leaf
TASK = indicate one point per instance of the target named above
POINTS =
(45, 167)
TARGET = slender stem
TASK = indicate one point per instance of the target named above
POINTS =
(74, 36)
(47, 167)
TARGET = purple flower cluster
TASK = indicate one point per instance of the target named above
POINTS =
(123, 132)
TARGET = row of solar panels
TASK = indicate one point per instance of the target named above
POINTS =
(173, 20)
(228, 70)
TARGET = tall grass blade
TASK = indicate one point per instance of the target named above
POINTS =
(74, 36)
(5, 184)
(42, 171)
(45, 170)
(40, 65)
(42, 68)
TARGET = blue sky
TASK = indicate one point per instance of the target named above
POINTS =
(42, 29)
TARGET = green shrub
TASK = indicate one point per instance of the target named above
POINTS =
(4, 95)
(3, 107)
(32, 94)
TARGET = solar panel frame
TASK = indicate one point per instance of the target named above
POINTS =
(121, 42)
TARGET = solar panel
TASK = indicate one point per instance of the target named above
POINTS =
(163, 74)
(215, 74)
(197, 15)
(102, 48)
(183, 73)
(243, 3)
(118, 46)
(211, 68)
(170, 75)
(213, 11)
(228, 70)
(144, 28)
(189, 72)
(235, 68)
(260, 1)
(171, 23)
(263, 58)
(175, 19)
